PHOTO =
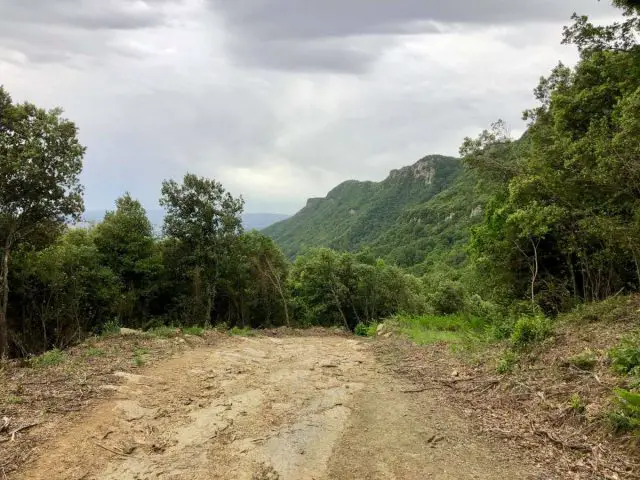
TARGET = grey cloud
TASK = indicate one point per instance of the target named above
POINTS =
(87, 14)
(56, 31)
(294, 34)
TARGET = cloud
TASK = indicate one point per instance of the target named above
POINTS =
(279, 100)
(332, 34)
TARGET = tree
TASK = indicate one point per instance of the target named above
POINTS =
(40, 162)
(126, 245)
(205, 219)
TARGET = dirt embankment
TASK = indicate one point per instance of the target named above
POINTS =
(270, 408)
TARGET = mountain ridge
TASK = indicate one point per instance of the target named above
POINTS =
(357, 214)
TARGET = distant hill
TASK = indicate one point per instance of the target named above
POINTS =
(251, 221)
(421, 213)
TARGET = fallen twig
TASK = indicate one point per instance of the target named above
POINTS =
(19, 429)
(112, 450)
(559, 443)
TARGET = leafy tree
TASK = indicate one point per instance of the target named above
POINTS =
(126, 245)
(40, 162)
(205, 219)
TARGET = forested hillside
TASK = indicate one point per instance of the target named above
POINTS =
(388, 217)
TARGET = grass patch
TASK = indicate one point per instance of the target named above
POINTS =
(450, 329)
(94, 352)
(586, 360)
(164, 332)
(48, 359)
(110, 328)
(13, 400)
(242, 332)
(195, 331)
(577, 404)
(608, 310)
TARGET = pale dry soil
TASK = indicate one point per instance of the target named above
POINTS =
(272, 408)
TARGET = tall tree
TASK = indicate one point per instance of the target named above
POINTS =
(205, 219)
(126, 245)
(40, 162)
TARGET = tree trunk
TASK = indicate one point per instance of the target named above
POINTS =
(4, 299)
(534, 275)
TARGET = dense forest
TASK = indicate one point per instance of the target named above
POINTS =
(516, 228)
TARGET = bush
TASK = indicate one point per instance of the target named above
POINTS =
(242, 332)
(195, 331)
(577, 404)
(448, 298)
(625, 358)
(586, 360)
(508, 360)
(626, 416)
(530, 330)
(361, 330)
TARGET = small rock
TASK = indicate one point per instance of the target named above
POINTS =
(455, 373)
(387, 335)
(380, 329)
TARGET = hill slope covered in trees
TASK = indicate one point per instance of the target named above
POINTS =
(413, 215)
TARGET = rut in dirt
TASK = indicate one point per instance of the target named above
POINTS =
(271, 408)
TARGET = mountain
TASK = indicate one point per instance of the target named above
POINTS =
(250, 221)
(420, 213)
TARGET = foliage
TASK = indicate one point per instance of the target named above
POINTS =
(355, 214)
(125, 243)
(39, 185)
(625, 358)
(585, 360)
(561, 227)
(576, 403)
(195, 331)
(507, 361)
(205, 221)
(48, 359)
(242, 332)
(431, 329)
(340, 288)
(626, 414)
(530, 330)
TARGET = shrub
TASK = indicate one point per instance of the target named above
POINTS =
(448, 298)
(361, 330)
(626, 416)
(507, 361)
(577, 404)
(530, 330)
(625, 358)
(586, 360)
(112, 327)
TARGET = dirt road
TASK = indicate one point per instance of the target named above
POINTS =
(271, 408)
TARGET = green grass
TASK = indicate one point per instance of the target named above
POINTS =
(449, 329)
(164, 332)
(364, 330)
(48, 359)
(110, 328)
(242, 332)
(195, 331)
(577, 404)
(507, 361)
(94, 352)
(586, 360)
(13, 400)
(625, 358)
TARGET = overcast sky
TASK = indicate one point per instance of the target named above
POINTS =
(280, 100)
